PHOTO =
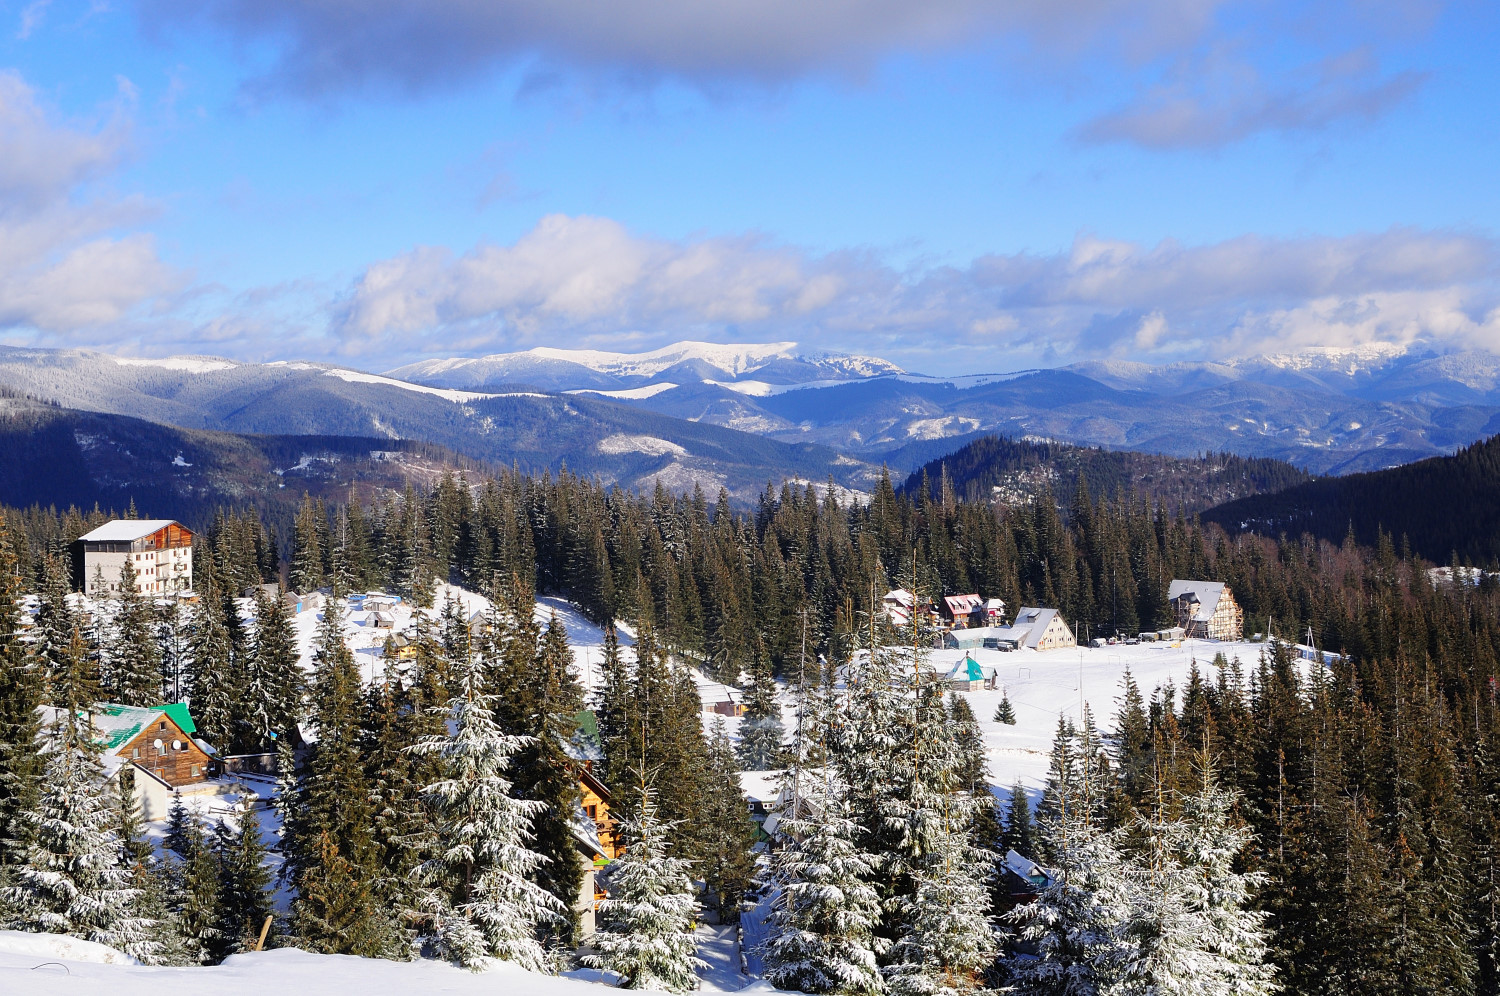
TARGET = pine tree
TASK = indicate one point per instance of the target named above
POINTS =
(823, 925)
(1005, 712)
(193, 885)
(477, 901)
(70, 879)
(645, 932)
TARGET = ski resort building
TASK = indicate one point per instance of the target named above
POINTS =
(1206, 610)
(158, 744)
(1044, 629)
(160, 550)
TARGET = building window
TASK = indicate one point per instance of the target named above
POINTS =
(195, 771)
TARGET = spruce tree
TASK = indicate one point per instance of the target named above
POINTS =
(645, 932)
(947, 943)
(1074, 924)
(134, 660)
(478, 902)
(327, 838)
(823, 925)
(726, 863)
(762, 733)
(70, 878)
(22, 680)
(1005, 712)
(211, 679)
(244, 880)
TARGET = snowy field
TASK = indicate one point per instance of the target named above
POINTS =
(43, 965)
(1043, 685)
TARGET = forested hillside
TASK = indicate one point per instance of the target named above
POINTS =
(60, 457)
(998, 467)
(1445, 507)
(1361, 798)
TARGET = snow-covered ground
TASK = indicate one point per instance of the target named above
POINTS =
(28, 971)
(1043, 685)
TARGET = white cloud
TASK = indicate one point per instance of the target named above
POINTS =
(64, 267)
(589, 278)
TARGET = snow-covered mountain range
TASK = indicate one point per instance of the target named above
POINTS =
(580, 369)
(779, 410)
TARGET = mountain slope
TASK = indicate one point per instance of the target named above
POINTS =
(1443, 505)
(56, 456)
(591, 435)
(1013, 470)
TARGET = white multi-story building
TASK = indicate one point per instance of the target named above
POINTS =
(160, 550)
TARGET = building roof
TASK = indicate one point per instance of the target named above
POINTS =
(962, 605)
(128, 530)
(1035, 621)
(966, 669)
(1207, 594)
(116, 726)
(762, 786)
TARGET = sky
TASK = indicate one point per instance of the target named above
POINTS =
(955, 185)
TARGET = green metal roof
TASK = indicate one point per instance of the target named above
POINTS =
(117, 725)
(178, 713)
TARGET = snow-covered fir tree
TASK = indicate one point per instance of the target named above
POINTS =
(947, 942)
(133, 661)
(761, 730)
(1074, 924)
(645, 932)
(823, 922)
(71, 878)
(477, 903)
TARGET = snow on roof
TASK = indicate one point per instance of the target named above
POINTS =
(126, 530)
(900, 597)
(761, 786)
(1206, 593)
(962, 605)
(1034, 622)
(966, 669)
(1024, 867)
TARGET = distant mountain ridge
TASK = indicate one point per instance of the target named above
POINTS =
(1327, 409)
(1444, 506)
(631, 418)
(535, 430)
(584, 369)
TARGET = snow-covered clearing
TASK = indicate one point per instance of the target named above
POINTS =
(1043, 685)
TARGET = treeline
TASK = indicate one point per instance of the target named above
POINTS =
(724, 588)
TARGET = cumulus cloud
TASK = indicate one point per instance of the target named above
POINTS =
(63, 267)
(583, 277)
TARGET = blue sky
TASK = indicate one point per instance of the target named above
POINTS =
(933, 182)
